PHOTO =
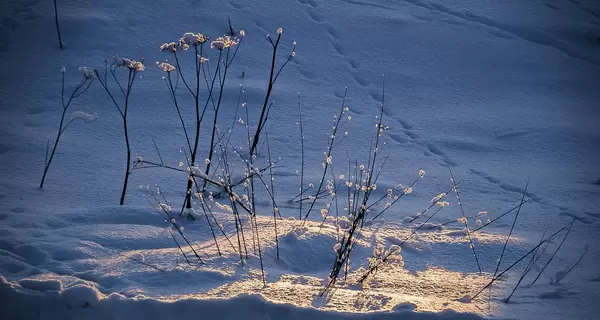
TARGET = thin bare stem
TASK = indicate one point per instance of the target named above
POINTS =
(519, 260)
(60, 43)
(464, 219)
(555, 252)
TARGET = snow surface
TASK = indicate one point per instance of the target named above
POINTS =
(498, 90)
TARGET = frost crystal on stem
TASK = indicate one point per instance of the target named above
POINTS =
(88, 73)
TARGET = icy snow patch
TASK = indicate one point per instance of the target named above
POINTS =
(85, 117)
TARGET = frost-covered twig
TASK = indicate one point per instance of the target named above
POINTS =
(272, 78)
(274, 205)
(501, 216)
(563, 275)
(479, 215)
(301, 125)
(527, 268)
(555, 252)
(512, 227)
(358, 212)
(229, 57)
(464, 217)
(519, 260)
(328, 156)
(398, 197)
(132, 67)
(165, 208)
(81, 88)
(158, 152)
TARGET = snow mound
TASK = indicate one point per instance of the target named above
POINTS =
(41, 285)
(83, 301)
(81, 296)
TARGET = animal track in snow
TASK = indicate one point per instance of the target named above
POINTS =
(485, 176)
(312, 3)
(332, 31)
(512, 134)
(306, 73)
(369, 4)
(524, 33)
(362, 81)
(21, 14)
(435, 150)
(398, 138)
(509, 187)
(411, 135)
(355, 65)
(581, 219)
(263, 27)
(236, 5)
(315, 16)
(338, 48)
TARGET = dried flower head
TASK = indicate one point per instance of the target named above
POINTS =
(171, 46)
(165, 66)
(421, 173)
(136, 65)
(192, 39)
(280, 31)
(223, 43)
(242, 33)
(128, 63)
(442, 204)
(438, 197)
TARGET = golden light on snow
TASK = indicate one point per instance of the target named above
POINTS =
(306, 254)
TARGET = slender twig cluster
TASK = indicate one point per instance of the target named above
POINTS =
(361, 183)
(227, 48)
